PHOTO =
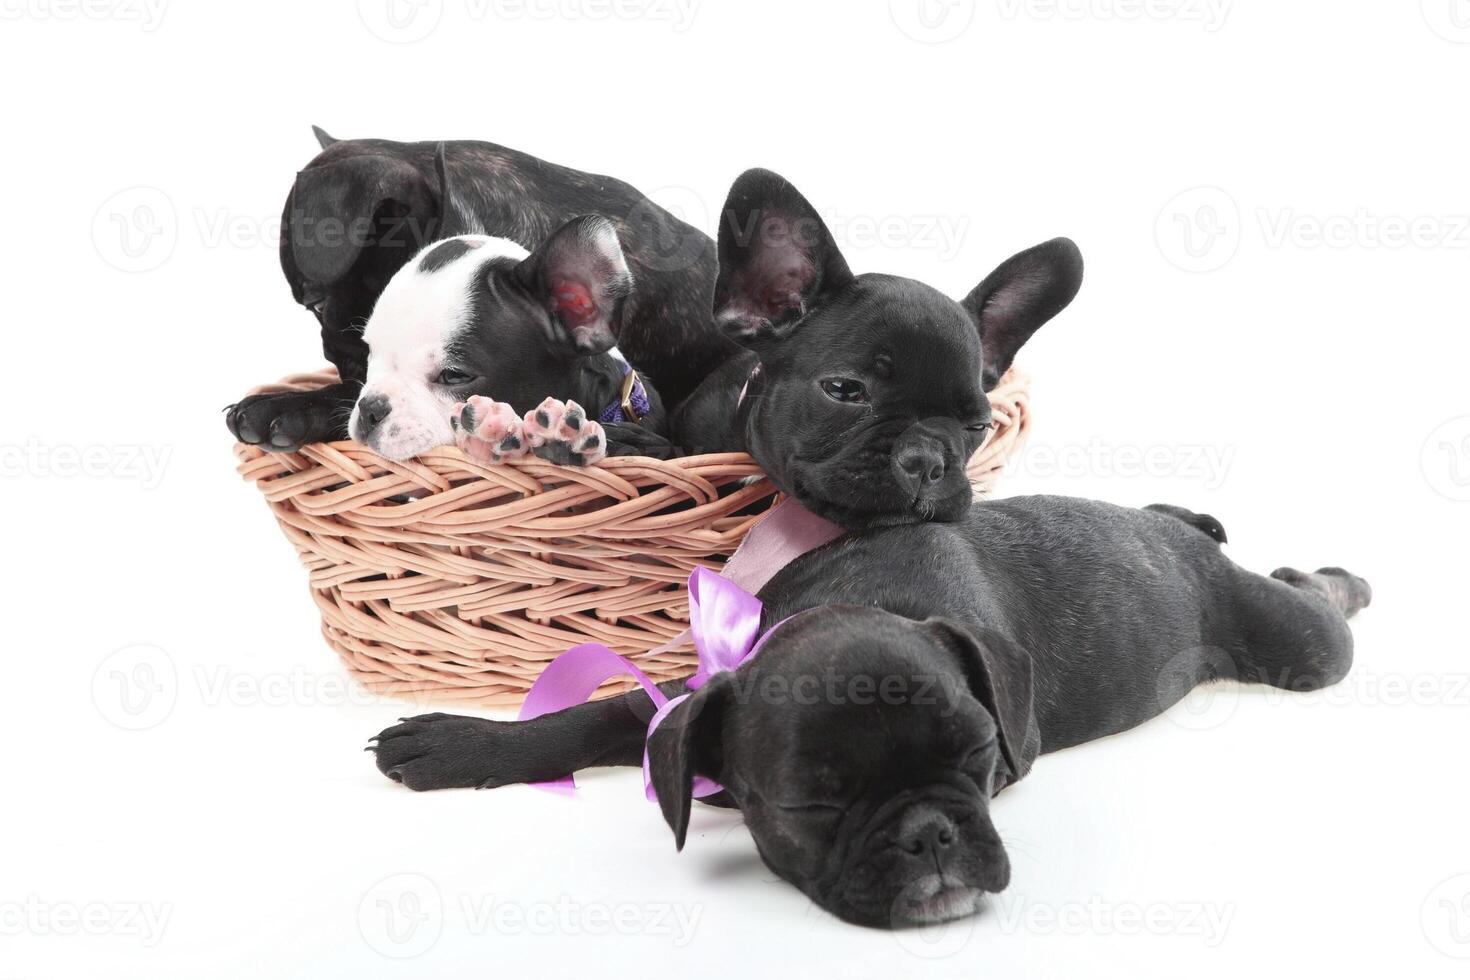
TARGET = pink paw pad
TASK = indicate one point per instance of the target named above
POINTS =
(561, 432)
(487, 430)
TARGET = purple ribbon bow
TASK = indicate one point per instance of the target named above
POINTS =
(724, 621)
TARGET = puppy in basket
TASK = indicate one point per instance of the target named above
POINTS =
(363, 208)
(862, 396)
(473, 316)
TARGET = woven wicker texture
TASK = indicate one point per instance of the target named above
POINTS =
(446, 579)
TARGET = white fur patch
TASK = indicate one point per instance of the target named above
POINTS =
(413, 323)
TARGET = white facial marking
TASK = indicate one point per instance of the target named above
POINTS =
(413, 323)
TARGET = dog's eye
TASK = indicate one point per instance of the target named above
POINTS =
(815, 809)
(981, 427)
(845, 390)
(980, 760)
(453, 378)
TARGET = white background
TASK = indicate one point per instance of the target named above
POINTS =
(1270, 350)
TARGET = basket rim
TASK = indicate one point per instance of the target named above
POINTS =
(342, 450)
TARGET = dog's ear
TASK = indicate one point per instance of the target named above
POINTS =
(338, 208)
(778, 260)
(999, 674)
(1027, 290)
(455, 219)
(581, 277)
(323, 138)
(688, 742)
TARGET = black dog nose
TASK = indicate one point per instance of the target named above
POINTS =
(922, 462)
(373, 410)
(927, 832)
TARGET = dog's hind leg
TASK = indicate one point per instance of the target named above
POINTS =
(441, 751)
(1294, 631)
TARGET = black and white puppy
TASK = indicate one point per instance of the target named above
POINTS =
(916, 672)
(863, 396)
(362, 209)
(525, 338)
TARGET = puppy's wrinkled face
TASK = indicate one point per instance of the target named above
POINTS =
(870, 417)
(423, 323)
(869, 396)
(477, 315)
(861, 761)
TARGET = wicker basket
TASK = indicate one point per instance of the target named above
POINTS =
(448, 579)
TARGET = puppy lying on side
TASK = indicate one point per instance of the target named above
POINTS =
(480, 341)
(361, 209)
(923, 668)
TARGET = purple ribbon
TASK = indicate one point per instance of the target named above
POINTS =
(724, 621)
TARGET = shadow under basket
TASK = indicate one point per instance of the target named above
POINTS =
(447, 579)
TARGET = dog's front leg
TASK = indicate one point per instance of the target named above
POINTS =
(629, 439)
(442, 751)
(287, 421)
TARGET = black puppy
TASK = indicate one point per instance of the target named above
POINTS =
(362, 208)
(925, 668)
(862, 396)
(524, 338)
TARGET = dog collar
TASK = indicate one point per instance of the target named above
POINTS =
(631, 405)
(755, 372)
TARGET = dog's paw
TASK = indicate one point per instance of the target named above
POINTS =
(285, 422)
(1349, 593)
(561, 432)
(442, 751)
(631, 439)
(487, 430)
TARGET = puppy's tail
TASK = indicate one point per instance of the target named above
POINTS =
(1200, 522)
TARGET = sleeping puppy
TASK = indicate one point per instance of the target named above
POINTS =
(863, 396)
(474, 318)
(362, 209)
(915, 672)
